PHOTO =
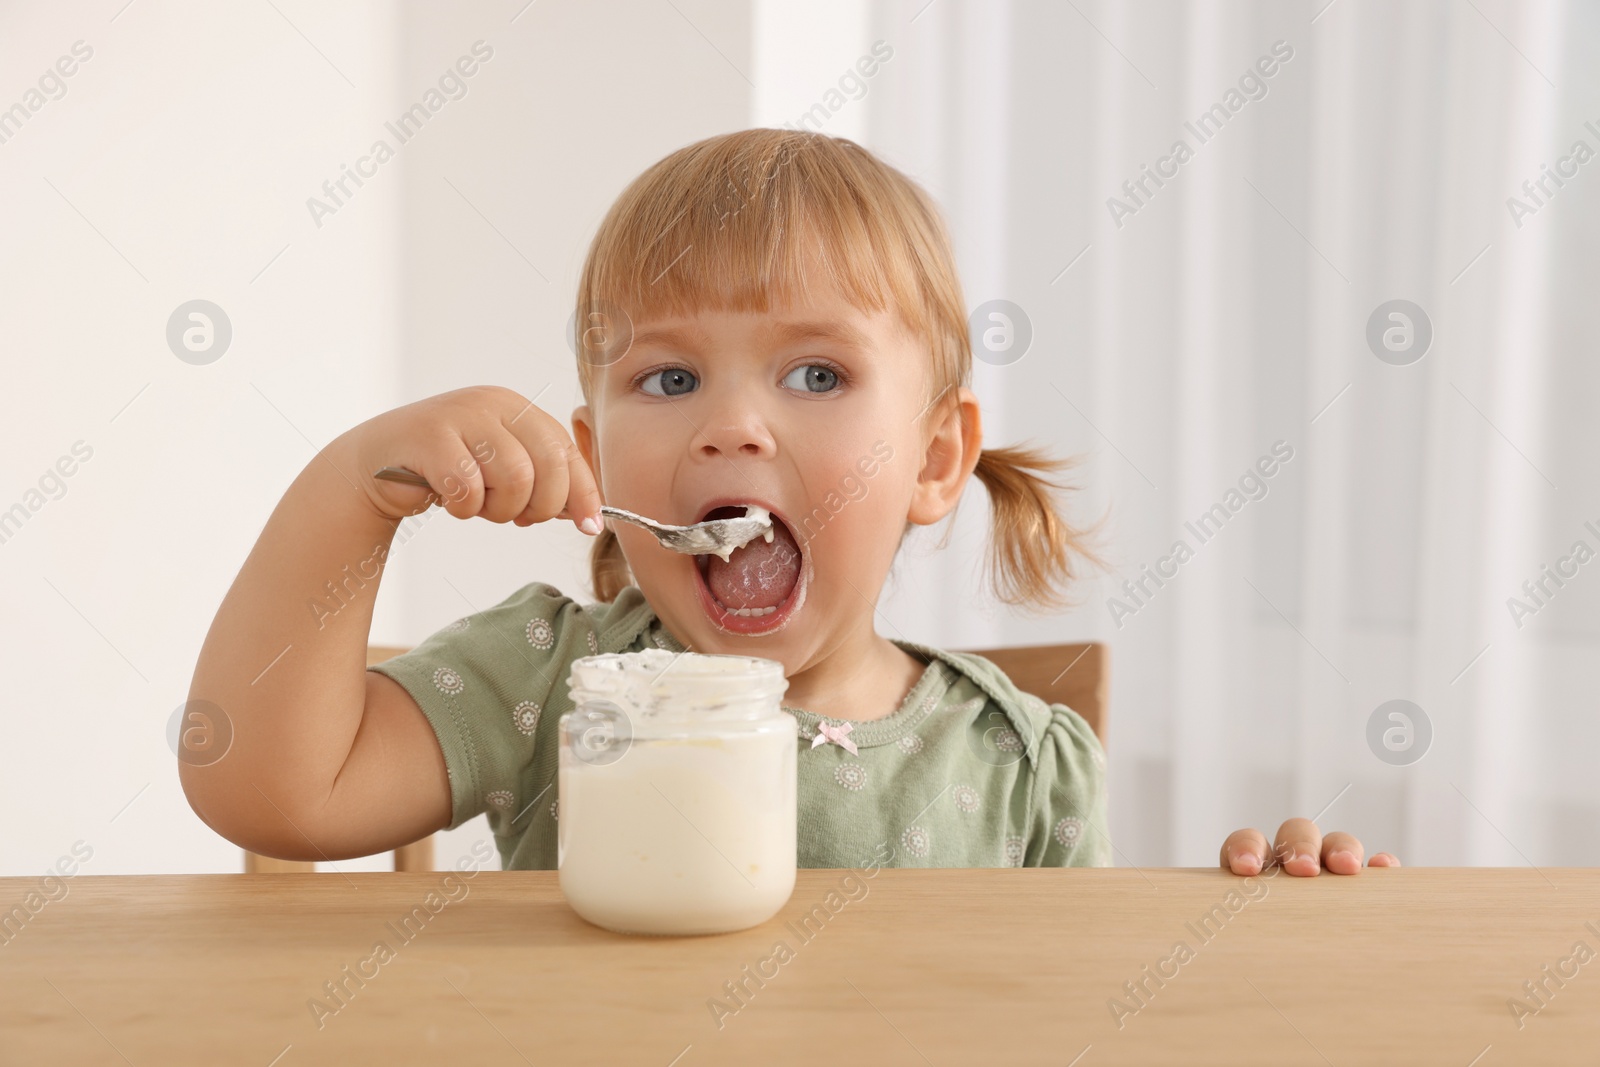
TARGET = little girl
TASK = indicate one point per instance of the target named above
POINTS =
(766, 318)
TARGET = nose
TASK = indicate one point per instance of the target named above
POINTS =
(737, 430)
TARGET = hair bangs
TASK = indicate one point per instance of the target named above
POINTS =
(757, 221)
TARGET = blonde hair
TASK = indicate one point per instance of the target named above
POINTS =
(723, 224)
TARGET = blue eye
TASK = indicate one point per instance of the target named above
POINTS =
(813, 378)
(674, 381)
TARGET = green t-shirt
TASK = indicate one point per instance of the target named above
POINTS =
(968, 772)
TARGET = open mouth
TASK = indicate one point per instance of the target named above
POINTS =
(760, 586)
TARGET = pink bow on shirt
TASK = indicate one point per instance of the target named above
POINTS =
(839, 735)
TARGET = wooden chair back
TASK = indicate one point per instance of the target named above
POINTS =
(1074, 675)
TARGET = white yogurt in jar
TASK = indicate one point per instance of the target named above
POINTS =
(678, 796)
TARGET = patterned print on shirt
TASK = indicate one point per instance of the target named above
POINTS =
(526, 717)
(1015, 847)
(1008, 740)
(853, 776)
(448, 681)
(541, 635)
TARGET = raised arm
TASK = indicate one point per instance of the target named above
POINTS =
(327, 760)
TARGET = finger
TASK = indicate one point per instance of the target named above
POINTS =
(406, 499)
(583, 495)
(1245, 852)
(508, 475)
(1342, 853)
(582, 500)
(453, 473)
(559, 470)
(526, 518)
(1384, 859)
(550, 477)
(1298, 847)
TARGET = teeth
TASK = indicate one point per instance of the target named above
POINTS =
(750, 613)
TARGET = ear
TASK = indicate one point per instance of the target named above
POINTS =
(583, 437)
(952, 453)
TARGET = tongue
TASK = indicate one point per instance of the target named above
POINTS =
(759, 575)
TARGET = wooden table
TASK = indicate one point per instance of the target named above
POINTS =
(1412, 966)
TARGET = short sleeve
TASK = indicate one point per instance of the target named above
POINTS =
(1068, 802)
(492, 686)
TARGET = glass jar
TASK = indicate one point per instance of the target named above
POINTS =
(677, 789)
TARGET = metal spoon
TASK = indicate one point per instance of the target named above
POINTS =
(718, 537)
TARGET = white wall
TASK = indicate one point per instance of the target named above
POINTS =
(191, 141)
(175, 167)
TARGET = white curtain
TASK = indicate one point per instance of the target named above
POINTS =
(1177, 343)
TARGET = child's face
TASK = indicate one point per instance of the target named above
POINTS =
(728, 408)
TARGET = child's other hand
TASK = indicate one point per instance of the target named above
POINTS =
(486, 451)
(1300, 849)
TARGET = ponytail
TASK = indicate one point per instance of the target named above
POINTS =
(1031, 545)
(608, 567)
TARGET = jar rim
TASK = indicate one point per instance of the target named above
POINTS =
(656, 684)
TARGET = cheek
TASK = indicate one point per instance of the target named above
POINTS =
(635, 463)
(666, 578)
(856, 520)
